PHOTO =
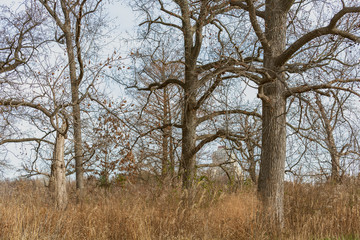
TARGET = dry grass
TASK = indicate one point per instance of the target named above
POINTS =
(148, 212)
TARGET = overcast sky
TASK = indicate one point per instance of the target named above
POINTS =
(124, 22)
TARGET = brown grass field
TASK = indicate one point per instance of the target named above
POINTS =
(152, 212)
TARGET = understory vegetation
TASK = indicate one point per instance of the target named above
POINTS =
(117, 116)
(151, 211)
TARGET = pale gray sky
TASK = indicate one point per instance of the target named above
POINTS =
(123, 21)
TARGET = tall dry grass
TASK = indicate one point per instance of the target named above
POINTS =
(153, 212)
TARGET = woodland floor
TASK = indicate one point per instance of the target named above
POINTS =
(149, 211)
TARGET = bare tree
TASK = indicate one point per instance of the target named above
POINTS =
(21, 35)
(188, 22)
(72, 18)
(329, 123)
(20, 30)
(59, 121)
(31, 91)
(161, 109)
(247, 149)
(289, 52)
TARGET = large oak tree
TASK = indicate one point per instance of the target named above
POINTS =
(290, 50)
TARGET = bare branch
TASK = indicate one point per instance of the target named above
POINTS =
(17, 103)
(240, 4)
(38, 140)
(157, 85)
(330, 29)
(224, 112)
(328, 85)
(259, 33)
(211, 137)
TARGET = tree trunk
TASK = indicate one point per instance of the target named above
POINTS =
(188, 146)
(251, 160)
(252, 170)
(335, 167)
(77, 139)
(57, 184)
(188, 158)
(171, 155)
(75, 82)
(273, 152)
(165, 163)
(171, 147)
(165, 156)
(67, 22)
(330, 141)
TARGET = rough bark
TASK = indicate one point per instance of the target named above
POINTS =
(192, 48)
(273, 152)
(273, 90)
(252, 161)
(188, 157)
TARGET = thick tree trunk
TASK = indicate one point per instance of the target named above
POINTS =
(57, 184)
(273, 152)
(335, 159)
(188, 146)
(188, 158)
(192, 46)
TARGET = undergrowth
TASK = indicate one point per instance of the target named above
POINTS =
(147, 211)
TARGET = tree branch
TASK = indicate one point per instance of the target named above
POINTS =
(259, 33)
(157, 85)
(328, 85)
(16, 103)
(38, 140)
(240, 4)
(330, 29)
(224, 112)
